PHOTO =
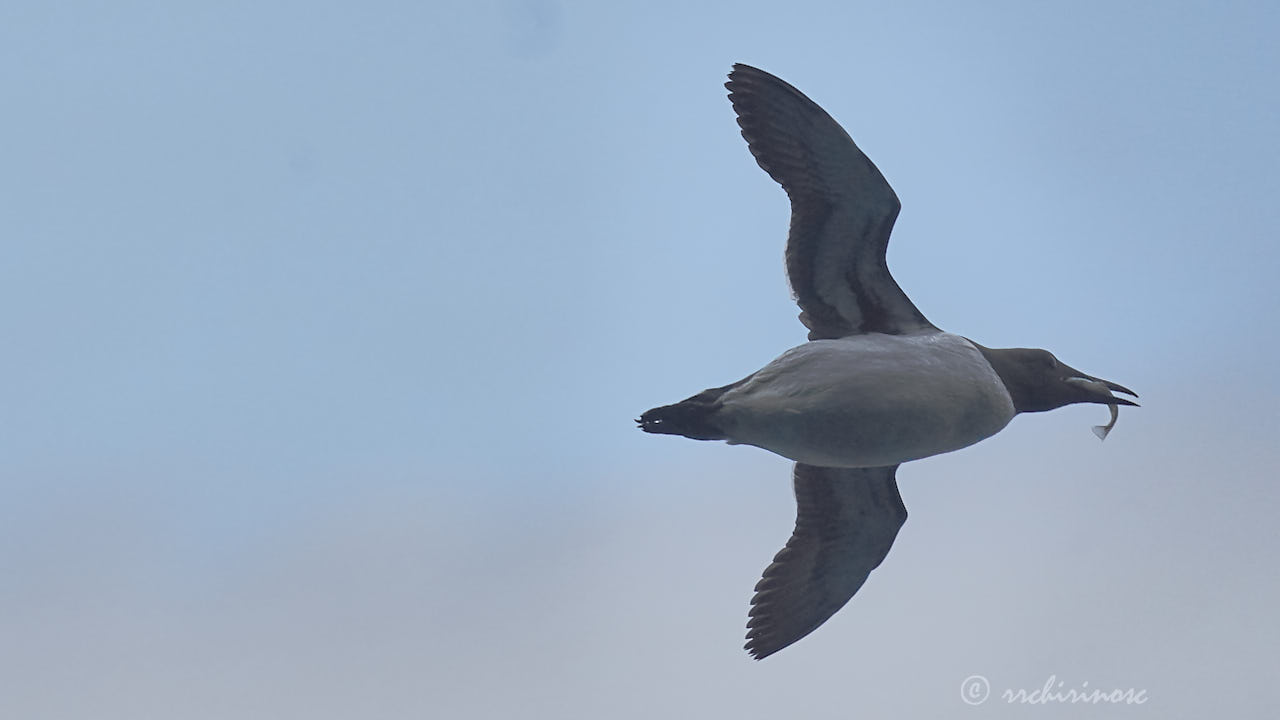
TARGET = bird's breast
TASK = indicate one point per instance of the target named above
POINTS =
(869, 400)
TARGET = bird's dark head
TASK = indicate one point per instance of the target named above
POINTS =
(1038, 381)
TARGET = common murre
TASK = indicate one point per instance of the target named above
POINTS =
(877, 384)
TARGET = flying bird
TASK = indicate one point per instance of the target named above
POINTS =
(876, 385)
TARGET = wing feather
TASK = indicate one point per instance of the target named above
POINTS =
(846, 521)
(842, 210)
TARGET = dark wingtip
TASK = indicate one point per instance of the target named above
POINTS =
(741, 73)
(755, 652)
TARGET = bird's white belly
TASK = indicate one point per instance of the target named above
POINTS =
(869, 400)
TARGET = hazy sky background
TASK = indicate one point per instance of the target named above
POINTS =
(324, 325)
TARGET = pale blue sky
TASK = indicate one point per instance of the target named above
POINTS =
(325, 325)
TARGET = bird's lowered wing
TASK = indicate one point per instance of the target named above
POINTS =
(846, 521)
(842, 210)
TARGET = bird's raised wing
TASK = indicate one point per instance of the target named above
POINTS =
(842, 210)
(846, 521)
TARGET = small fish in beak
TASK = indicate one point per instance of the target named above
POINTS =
(1102, 430)
(1103, 388)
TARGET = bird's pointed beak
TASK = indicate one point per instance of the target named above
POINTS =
(1090, 389)
(1115, 387)
(1096, 390)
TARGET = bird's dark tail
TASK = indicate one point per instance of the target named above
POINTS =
(693, 418)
